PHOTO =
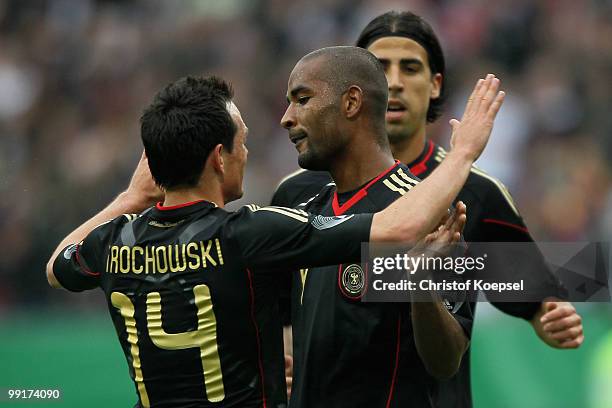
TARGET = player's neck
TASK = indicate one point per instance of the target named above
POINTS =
(409, 148)
(359, 164)
(177, 197)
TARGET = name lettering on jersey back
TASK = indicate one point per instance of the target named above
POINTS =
(152, 259)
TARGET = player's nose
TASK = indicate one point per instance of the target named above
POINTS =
(288, 120)
(394, 79)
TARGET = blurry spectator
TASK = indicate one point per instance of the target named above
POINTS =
(75, 76)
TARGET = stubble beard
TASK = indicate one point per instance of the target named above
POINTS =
(310, 160)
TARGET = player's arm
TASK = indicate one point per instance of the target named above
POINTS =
(140, 194)
(414, 215)
(439, 338)
(287, 238)
(272, 236)
(555, 322)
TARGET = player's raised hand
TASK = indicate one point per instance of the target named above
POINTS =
(439, 242)
(140, 194)
(559, 325)
(142, 188)
(471, 134)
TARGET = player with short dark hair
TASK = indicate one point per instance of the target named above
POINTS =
(348, 353)
(190, 287)
(414, 64)
(191, 107)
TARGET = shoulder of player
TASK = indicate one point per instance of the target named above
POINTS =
(123, 219)
(399, 180)
(294, 213)
(302, 177)
(299, 188)
(479, 181)
(252, 223)
(489, 190)
(324, 196)
(117, 221)
(106, 230)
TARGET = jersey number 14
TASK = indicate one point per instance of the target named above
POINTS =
(204, 338)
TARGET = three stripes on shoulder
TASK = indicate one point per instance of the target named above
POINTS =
(299, 215)
(400, 182)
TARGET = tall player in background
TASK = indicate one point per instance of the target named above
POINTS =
(414, 65)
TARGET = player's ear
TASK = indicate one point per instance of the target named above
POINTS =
(216, 158)
(352, 101)
(436, 85)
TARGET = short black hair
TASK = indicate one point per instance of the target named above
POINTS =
(344, 66)
(182, 125)
(409, 25)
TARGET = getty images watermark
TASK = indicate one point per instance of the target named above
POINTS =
(500, 272)
(432, 263)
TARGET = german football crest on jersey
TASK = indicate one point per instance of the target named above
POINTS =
(351, 280)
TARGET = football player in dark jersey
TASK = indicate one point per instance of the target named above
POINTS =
(414, 64)
(349, 353)
(189, 285)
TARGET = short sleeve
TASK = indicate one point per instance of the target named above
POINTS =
(273, 236)
(78, 266)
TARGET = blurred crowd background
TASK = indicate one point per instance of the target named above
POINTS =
(76, 74)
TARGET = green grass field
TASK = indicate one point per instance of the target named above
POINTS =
(80, 355)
